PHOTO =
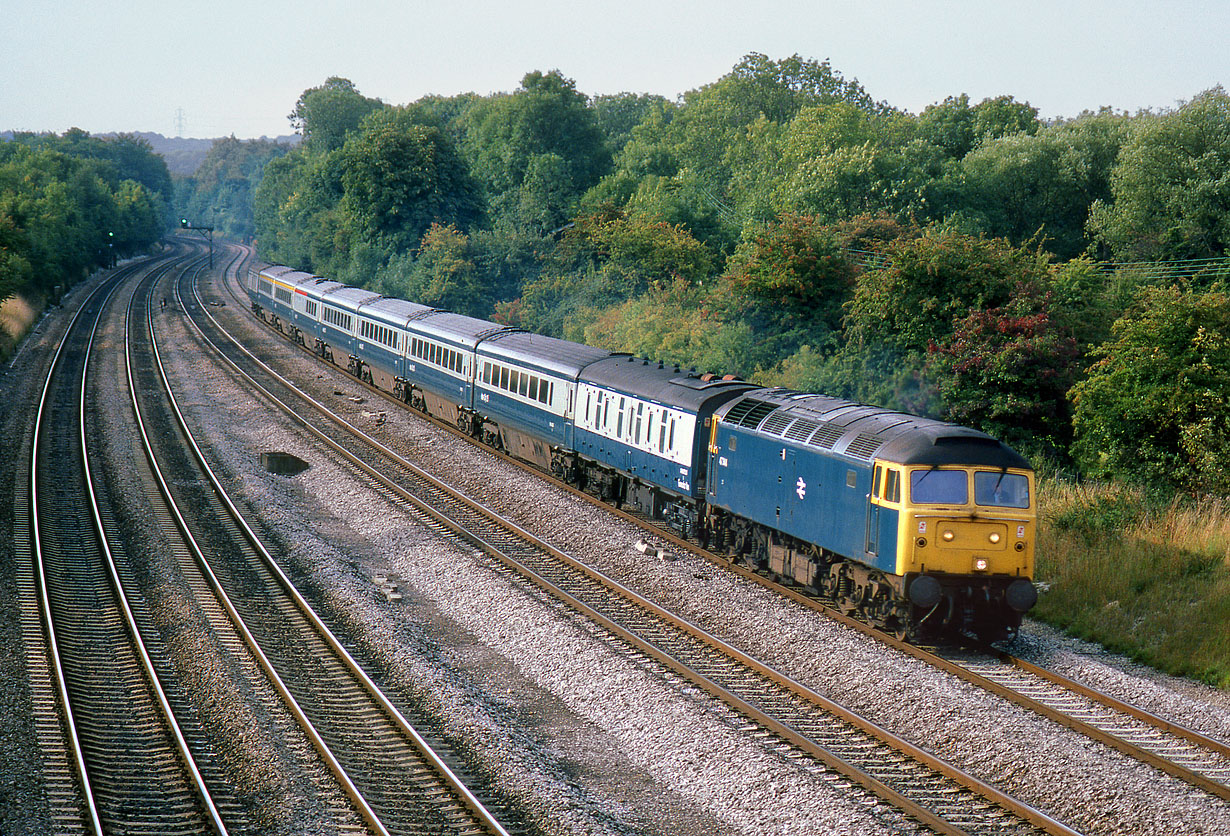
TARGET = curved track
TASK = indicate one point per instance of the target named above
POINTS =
(393, 775)
(134, 769)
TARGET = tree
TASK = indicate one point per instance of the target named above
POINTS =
(793, 276)
(931, 281)
(1007, 371)
(604, 260)
(223, 188)
(15, 269)
(1155, 407)
(400, 176)
(1170, 188)
(325, 115)
(441, 273)
(1024, 184)
(618, 114)
(957, 128)
(546, 126)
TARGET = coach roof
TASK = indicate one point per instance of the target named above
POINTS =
(661, 382)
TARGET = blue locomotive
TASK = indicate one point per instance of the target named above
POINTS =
(915, 525)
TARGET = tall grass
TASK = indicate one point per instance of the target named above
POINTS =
(16, 317)
(1143, 575)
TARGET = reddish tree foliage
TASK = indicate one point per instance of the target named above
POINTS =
(1007, 371)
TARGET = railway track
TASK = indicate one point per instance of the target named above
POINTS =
(400, 781)
(801, 722)
(131, 766)
(1192, 757)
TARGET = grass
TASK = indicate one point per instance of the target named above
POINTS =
(1145, 576)
(17, 315)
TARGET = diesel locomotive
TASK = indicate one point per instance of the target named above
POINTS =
(920, 527)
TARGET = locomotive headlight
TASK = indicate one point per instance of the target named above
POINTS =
(994, 536)
(980, 565)
(948, 535)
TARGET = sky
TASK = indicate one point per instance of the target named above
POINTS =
(227, 67)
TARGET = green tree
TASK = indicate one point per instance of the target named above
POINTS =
(296, 212)
(400, 176)
(792, 278)
(957, 128)
(15, 269)
(618, 114)
(1024, 185)
(1155, 407)
(605, 260)
(442, 273)
(324, 116)
(934, 280)
(1170, 188)
(223, 189)
(544, 128)
(672, 323)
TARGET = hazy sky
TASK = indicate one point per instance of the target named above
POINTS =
(238, 67)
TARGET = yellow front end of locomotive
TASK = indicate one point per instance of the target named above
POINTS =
(967, 521)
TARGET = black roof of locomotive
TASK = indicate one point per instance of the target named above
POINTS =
(866, 432)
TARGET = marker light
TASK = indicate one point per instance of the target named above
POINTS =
(994, 536)
(948, 535)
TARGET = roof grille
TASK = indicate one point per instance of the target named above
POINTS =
(776, 423)
(801, 429)
(864, 445)
(827, 436)
(749, 412)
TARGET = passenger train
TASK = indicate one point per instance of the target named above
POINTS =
(920, 527)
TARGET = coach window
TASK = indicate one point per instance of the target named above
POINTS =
(525, 384)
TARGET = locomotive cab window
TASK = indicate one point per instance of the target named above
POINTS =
(1001, 489)
(939, 487)
(892, 485)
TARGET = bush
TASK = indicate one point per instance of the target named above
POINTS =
(1155, 408)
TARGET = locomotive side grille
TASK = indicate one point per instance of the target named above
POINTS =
(801, 429)
(776, 424)
(827, 436)
(864, 445)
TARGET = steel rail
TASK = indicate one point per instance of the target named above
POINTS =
(57, 666)
(318, 742)
(455, 783)
(112, 285)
